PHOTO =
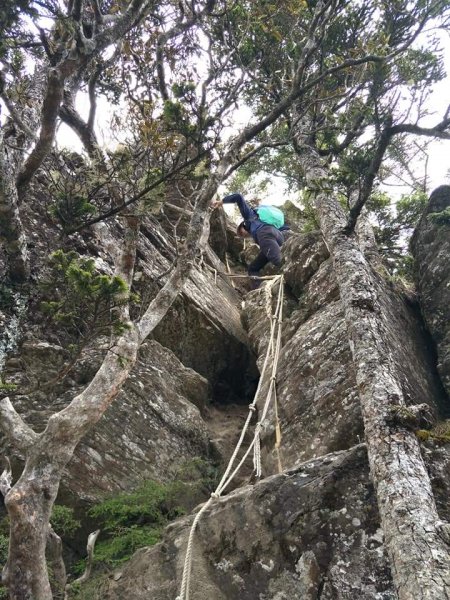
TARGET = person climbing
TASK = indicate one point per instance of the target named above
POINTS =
(265, 225)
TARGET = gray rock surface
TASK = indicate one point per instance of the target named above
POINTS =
(431, 249)
(153, 428)
(311, 532)
(308, 533)
(317, 393)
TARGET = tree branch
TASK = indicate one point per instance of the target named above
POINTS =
(90, 557)
(92, 96)
(253, 153)
(52, 100)
(117, 209)
(13, 426)
(369, 178)
(437, 131)
(76, 9)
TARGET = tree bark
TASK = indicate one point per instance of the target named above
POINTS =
(420, 558)
(12, 234)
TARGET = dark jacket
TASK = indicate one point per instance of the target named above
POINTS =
(249, 214)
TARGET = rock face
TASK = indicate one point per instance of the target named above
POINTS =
(317, 393)
(159, 421)
(312, 532)
(431, 249)
(309, 533)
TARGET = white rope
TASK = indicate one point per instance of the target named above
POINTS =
(272, 354)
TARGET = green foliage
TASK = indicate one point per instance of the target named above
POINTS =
(133, 520)
(418, 65)
(393, 225)
(71, 209)
(10, 13)
(175, 117)
(81, 300)
(410, 208)
(7, 387)
(309, 212)
(151, 503)
(440, 433)
(441, 218)
(63, 520)
(122, 546)
(182, 89)
(93, 589)
(6, 297)
(4, 545)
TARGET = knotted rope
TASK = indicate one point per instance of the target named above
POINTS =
(272, 355)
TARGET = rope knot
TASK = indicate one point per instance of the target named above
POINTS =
(252, 407)
(215, 495)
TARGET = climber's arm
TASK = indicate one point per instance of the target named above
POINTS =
(245, 210)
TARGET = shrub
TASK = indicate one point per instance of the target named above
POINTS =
(441, 218)
(81, 299)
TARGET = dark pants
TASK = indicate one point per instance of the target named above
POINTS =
(269, 240)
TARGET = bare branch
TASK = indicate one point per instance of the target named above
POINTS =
(56, 563)
(438, 131)
(76, 9)
(90, 557)
(46, 45)
(369, 178)
(126, 260)
(97, 12)
(20, 434)
(253, 153)
(52, 100)
(92, 96)
(86, 134)
(117, 209)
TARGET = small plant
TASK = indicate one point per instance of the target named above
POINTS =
(70, 209)
(441, 218)
(81, 299)
(440, 433)
(63, 520)
(7, 387)
(134, 520)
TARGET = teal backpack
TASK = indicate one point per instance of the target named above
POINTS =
(271, 216)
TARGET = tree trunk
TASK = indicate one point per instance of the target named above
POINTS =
(12, 235)
(420, 559)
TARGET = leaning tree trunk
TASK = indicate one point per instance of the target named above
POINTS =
(419, 556)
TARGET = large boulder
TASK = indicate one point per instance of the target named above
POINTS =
(155, 425)
(317, 392)
(311, 532)
(431, 248)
